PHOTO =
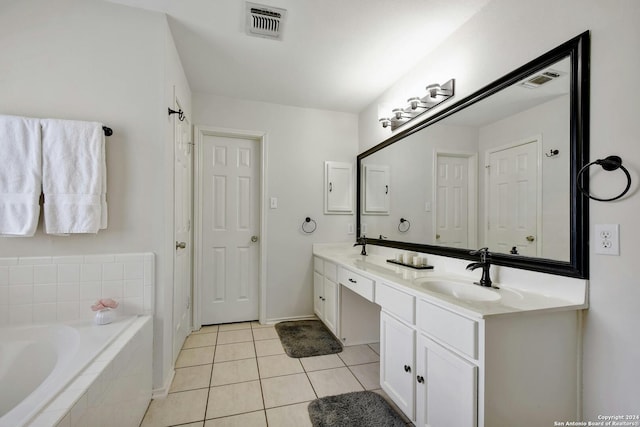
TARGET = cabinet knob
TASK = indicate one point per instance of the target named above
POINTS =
(407, 368)
(420, 379)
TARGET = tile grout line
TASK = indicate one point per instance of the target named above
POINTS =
(264, 406)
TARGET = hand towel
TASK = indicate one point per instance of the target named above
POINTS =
(20, 175)
(73, 176)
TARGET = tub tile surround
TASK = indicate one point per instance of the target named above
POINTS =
(114, 389)
(50, 289)
(256, 387)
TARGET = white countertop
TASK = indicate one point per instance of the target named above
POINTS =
(522, 291)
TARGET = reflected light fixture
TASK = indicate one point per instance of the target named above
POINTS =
(416, 105)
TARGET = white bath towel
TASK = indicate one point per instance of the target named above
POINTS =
(20, 175)
(73, 176)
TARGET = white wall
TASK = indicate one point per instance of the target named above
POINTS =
(93, 60)
(299, 140)
(507, 34)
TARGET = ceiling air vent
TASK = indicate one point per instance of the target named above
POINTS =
(265, 21)
(538, 80)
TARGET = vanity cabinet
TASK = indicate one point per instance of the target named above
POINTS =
(446, 387)
(397, 362)
(325, 293)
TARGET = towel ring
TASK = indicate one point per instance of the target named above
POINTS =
(610, 163)
(404, 228)
(313, 225)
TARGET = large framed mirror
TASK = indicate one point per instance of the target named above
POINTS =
(496, 169)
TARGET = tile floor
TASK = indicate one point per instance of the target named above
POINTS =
(238, 375)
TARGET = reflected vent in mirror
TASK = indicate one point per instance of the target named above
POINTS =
(265, 21)
(542, 78)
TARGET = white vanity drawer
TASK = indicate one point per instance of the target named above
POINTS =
(452, 329)
(330, 271)
(357, 283)
(318, 265)
(400, 304)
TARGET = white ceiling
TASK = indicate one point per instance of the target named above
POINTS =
(335, 54)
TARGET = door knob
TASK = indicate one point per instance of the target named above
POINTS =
(254, 239)
(437, 236)
(181, 245)
(530, 238)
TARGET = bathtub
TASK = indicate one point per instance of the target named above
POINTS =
(61, 374)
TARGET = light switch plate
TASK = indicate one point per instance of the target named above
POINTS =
(607, 239)
(273, 203)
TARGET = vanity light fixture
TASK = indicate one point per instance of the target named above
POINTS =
(418, 105)
(385, 122)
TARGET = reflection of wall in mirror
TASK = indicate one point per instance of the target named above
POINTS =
(551, 120)
(411, 178)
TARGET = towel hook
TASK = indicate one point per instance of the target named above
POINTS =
(609, 164)
(180, 114)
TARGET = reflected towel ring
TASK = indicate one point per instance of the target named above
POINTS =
(309, 229)
(610, 163)
(404, 225)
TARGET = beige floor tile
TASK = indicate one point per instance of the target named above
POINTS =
(234, 399)
(358, 354)
(206, 329)
(227, 352)
(268, 347)
(265, 334)
(289, 416)
(234, 326)
(176, 408)
(317, 363)
(195, 356)
(257, 325)
(236, 371)
(250, 419)
(286, 390)
(230, 337)
(375, 347)
(200, 340)
(280, 364)
(191, 378)
(198, 424)
(368, 375)
(334, 381)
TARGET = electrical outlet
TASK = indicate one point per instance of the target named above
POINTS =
(607, 239)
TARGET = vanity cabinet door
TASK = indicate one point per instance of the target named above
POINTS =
(446, 387)
(397, 368)
(318, 294)
(331, 305)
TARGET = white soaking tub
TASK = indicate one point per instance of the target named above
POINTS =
(59, 373)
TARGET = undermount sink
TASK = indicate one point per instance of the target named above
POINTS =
(458, 290)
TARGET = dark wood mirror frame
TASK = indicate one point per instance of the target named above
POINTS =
(578, 50)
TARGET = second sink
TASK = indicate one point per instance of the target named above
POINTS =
(458, 290)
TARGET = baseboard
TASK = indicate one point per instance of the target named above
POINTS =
(288, 319)
(162, 392)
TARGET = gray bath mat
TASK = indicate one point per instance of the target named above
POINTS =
(305, 338)
(360, 408)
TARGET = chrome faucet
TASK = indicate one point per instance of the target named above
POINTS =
(362, 241)
(485, 264)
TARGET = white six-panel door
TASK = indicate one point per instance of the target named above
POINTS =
(229, 259)
(455, 201)
(512, 204)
